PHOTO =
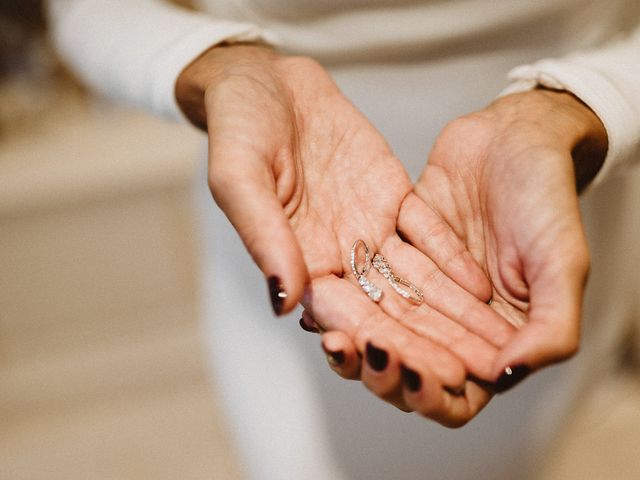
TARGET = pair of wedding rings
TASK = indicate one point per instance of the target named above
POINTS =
(402, 287)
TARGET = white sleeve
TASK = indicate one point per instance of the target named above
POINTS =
(134, 50)
(608, 81)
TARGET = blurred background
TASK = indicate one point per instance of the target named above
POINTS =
(101, 364)
(102, 370)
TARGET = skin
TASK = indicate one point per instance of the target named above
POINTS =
(290, 154)
(506, 180)
(511, 193)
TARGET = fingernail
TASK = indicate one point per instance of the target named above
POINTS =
(411, 378)
(277, 293)
(490, 386)
(511, 377)
(335, 359)
(455, 391)
(377, 358)
(490, 301)
(307, 328)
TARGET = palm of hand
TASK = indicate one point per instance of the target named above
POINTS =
(347, 183)
(301, 175)
(336, 181)
(332, 172)
(511, 198)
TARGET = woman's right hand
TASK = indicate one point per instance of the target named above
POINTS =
(301, 175)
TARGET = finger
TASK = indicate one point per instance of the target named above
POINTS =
(245, 190)
(434, 384)
(381, 372)
(388, 345)
(449, 407)
(393, 304)
(342, 356)
(363, 321)
(444, 295)
(553, 330)
(345, 315)
(344, 320)
(476, 354)
(308, 324)
(423, 228)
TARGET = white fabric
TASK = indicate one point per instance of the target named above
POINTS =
(410, 66)
(606, 79)
(135, 49)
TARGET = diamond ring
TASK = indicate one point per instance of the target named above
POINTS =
(411, 292)
(371, 289)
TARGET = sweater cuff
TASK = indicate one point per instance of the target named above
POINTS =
(597, 92)
(166, 68)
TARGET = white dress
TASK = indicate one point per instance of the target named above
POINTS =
(410, 66)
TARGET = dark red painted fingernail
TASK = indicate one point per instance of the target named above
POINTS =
(307, 328)
(277, 294)
(411, 378)
(377, 358)
(455, 391)
(511, 377)
(336, 358)
(487, 385)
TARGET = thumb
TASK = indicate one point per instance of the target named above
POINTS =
(552, 333)
(245, 190)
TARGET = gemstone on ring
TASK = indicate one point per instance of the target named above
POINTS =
(371, 289)
(414, 294)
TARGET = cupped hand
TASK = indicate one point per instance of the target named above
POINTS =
(505, 180)
(301, 175)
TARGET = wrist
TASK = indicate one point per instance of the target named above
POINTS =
(212, 65)
(591, 142)
(559, 120)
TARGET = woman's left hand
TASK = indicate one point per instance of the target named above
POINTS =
(506, 181)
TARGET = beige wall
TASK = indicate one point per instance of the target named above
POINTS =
(101, 365)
